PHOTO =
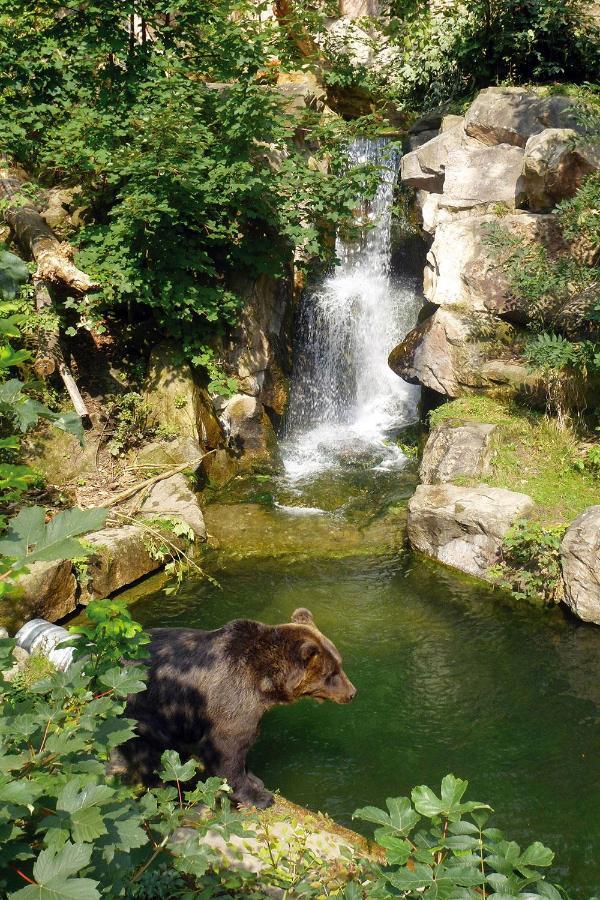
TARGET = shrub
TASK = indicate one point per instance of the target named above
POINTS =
(456, 853)
(530, 565)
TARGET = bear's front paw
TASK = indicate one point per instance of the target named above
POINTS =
(251, 794)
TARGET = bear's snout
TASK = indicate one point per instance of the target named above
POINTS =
(350, 693)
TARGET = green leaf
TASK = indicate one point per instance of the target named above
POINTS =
(60, 889)
(70, 860)
(173, 769)
(124, 681)
(536, 855)
(28, 539)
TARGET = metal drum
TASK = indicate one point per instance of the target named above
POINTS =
(43, 638)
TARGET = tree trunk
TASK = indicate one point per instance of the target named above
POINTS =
(54, 258)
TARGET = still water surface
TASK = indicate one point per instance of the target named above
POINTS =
(451, 677)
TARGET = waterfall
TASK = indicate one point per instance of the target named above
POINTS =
(345, 401)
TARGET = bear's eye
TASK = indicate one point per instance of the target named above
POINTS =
(333, 678)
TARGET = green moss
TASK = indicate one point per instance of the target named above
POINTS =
(532, 456)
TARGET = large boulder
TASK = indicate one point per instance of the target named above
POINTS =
(177, 400)
(463, 451)
(250, 432)
(580, 552)
(119, 557)
(47, 591)
(476, 176)
(456, 353)
(424, 168)
(173, 497)
(465, 270)
(505, 115)
(464, 527)
(554, 166)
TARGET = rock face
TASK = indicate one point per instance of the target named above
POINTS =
(173, 497)
(47, 591)
(463, 270)
(457, 451)
(512, 149)
(554, 167)
(476, 176)
(504, 115)
(580, 554)
(463, 527)
(178, 401)
(456, 353)
(120, 557)
(425, 167)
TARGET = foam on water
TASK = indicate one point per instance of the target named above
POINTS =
(346, 403)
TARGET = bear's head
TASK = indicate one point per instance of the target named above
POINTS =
(313, 664)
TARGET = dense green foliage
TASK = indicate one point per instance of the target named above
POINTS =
(530, 565)
(426, 52)
(457, 854)
(188, 168)
(562, 295)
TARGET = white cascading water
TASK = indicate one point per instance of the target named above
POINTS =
(345, 401)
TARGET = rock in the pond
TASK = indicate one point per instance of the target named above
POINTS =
(580, 553)
(120, 556)
(464, 527)
(174, 497)
(455, 451)
(554, 166)
(510, 115)
(251, 434)
(47, 591)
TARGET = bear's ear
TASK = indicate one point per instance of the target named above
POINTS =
(303, 616)
(308, 650)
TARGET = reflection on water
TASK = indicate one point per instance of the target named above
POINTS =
(451, 676)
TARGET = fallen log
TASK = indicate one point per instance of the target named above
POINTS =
(55, 265)
(148, 482)
(54, 258)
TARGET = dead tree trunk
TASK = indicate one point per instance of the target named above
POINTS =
(54, 258)
(55, 266)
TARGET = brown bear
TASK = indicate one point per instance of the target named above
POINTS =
(208, 690)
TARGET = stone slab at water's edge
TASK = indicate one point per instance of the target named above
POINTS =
(464, 526)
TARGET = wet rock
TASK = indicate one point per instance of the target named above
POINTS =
(173, 497)
(120, 556)
(178, 401)
(457, 352)
(457, 452)
(464, 527)
(580, 552)
(511, 115)
(47, 591)
(251, 434)
(554, 167)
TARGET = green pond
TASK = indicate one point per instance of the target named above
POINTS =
(452, 676)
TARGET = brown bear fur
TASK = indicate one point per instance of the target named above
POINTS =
(208, 690)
